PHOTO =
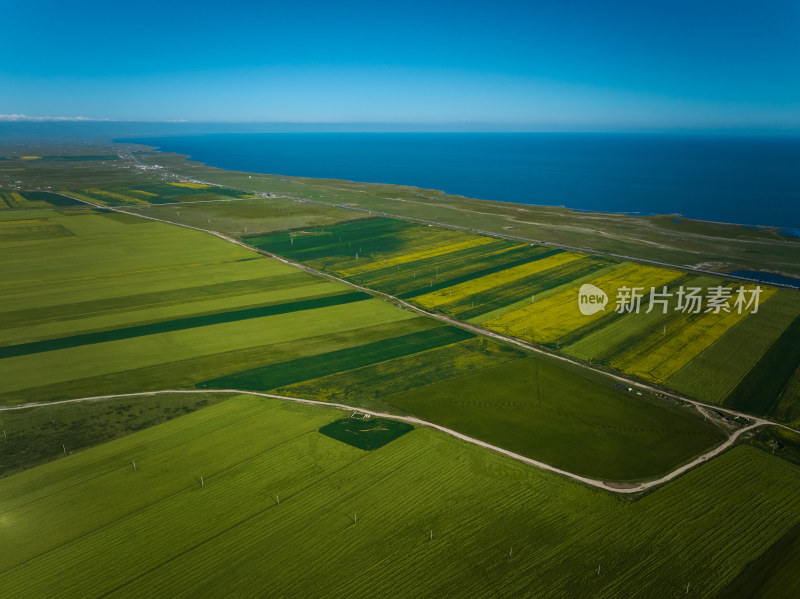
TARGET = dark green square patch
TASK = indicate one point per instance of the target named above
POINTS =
(365, 432)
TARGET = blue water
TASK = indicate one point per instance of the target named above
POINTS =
(767, 277)
(727, 178)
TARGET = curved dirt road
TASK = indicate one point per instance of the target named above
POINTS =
(626, 488)
(623, 488)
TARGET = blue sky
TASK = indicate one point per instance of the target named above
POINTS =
(568, 64)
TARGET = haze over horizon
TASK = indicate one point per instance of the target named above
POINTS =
(571, 65)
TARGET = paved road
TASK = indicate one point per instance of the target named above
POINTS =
(623, 488)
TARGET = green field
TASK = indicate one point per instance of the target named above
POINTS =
(249, 215)
(368, 434)
(720, 367)
(529, 291)
(171, 308)
(201, 493)
(155, 193)
(302, 369)
(93, 311)
(760, 389)
(34, 199)
(287, 511)
(536, 407)
(37, 435)
(558, 416)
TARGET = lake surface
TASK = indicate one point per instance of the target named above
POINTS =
(728, 178)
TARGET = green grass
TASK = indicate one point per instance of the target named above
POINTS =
(37, 435)
(132, 291)
(779, 442)
(166, 297)
(769, 575)
(180, 324)
(787, 408)
(759, 390)
(713, 374)
(249, 216)
(270, 377)
(115, 195)
(34, 199)
(173, 371)
(371, 238)
(368, 434)
(36, 229)
(81, 158)
(369, 386)
(181, 347)
(88, 525)
(544, 411)
(541, 409)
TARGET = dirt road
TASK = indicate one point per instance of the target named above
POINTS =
(612, 486)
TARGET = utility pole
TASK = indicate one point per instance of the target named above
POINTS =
(134, 465)
(202, 482)
(64, 448)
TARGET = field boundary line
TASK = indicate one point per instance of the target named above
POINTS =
(452, 321)
(626, 488)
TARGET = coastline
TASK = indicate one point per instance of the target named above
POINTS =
(786, 280)
(707, 178)
(441, 192)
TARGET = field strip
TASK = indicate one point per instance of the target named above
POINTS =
(452, 321)
(623, 488)
(501, 235)
(756, 422)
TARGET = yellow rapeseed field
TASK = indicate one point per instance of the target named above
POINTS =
(421, 255)
(662, 353)
(554, 317)
(191, 185)
(117, 196)
(86, 198)
(467, 288)
(16, 200)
